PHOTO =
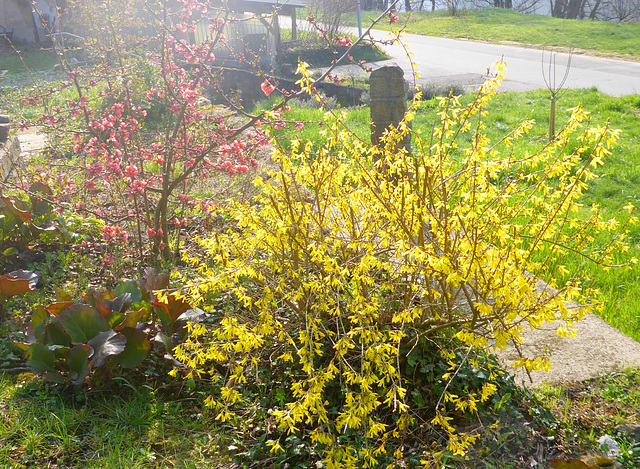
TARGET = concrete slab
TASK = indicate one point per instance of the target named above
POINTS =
(31, 141)
(598, 349)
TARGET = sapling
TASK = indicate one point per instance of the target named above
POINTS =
(554, 87)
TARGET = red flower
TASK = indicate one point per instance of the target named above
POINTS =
(267, 88)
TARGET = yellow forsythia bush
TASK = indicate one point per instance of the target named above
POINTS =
(351, 253)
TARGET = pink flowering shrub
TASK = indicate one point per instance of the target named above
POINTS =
(135, 122)
(139, 141)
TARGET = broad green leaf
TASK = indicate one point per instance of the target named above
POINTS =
(106, 344)
(82, 323)
(40, 358)
(62, 295)
(10, 252)
(60, 351)
(131, 319)
(54, 334)
(7, 221)
(114, 319)
(78, 362)
(136, 350)
(53, 376)
(39, 319)
(131, 287)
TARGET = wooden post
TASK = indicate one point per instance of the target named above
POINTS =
(552, 119)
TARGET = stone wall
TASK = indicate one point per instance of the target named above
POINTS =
(16, 15)
(9, 156)
(27, 27)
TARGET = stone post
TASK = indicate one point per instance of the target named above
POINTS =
(388, 101)
(4, 127)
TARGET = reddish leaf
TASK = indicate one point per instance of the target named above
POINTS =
(153, 281)
(100, 301)
(131, 319)
(20, 215)
(170, 311)
(17, 282)
(26, 275)
(58, 308)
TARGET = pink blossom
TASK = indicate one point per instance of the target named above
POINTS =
(267, 87)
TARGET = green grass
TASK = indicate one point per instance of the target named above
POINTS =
(115, 424)
(496, 24)
(114, 427)
(577, 413)
(35, 60)
(618, 183)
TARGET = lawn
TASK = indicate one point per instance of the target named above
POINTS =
(497, 24)
(30, 59)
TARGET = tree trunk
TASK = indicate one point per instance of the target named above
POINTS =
(407, 5)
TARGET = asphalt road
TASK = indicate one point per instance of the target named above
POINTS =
(449, 61)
